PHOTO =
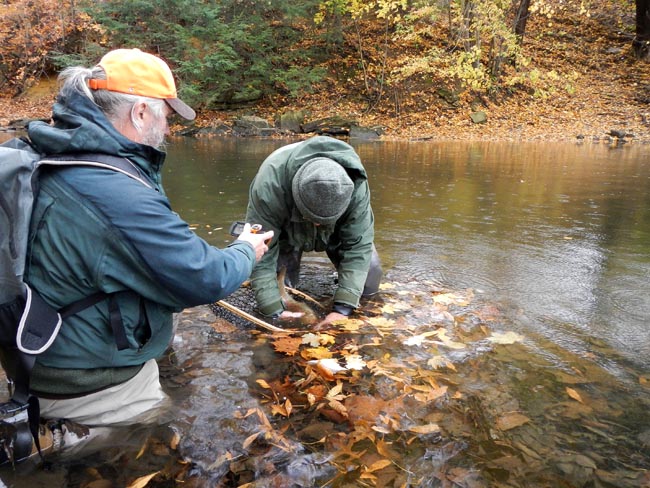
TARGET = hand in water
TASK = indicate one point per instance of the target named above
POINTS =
(331, 317)
(288, 314)
(258, 241)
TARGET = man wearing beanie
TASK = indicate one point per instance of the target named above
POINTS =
(314, 196)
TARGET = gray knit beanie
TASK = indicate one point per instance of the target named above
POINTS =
(322, 190)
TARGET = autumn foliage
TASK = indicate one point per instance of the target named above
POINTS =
(31, 32)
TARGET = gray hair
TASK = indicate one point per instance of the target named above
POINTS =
(115, 105)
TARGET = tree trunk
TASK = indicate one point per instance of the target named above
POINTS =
(641, 42)
(521, 19)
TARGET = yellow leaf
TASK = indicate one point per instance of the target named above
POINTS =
(425, 429)
(388, 308)
(143, 481)
(316, 353)
(288, 407)
(351, 325)
(335, 390)
(381, 322)
(377, 465)
(386, 286)
(176, 439)
(279, 410)
(574, 394)
(263, 384)
(249, 440)
(447, 342)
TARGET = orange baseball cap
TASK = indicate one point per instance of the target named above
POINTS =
(135, 72)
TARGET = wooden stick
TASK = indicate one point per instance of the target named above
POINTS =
(249, 317)
(305, 296)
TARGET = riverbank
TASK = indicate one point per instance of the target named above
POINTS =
(564, 118)
(606, 109)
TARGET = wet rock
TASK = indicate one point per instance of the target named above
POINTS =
(365, 133)
(336, 125)
(478, 117)
(291, 121)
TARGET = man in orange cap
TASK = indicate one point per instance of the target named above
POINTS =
(98, 231)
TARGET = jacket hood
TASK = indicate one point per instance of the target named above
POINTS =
(325, 147)
(81, 126)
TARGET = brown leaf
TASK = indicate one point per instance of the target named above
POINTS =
(511, 420)
(143, 481)
(574, 394)
(425, 429)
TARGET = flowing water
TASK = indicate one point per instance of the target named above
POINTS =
(548, 242)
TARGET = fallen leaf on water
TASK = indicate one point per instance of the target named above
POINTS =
(381, 322)
(419, 339)
(143, 481)
(377, 465)
(176, 439)
(425, 429)
(386, 286)
(354, 361)
(330, 364)
(315, 340)
(505, 337)
(437, 362)
(447, 342)
(287, 345)
(574, 394)
(511, 420)
(316, 353)
(350, 325)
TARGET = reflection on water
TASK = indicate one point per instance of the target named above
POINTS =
(556, 233)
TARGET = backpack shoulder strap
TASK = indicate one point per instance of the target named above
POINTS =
(107, 161)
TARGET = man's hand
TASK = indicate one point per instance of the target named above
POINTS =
(288, 315)
(258, 241)
(331, 317)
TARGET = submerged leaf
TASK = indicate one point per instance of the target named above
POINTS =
(505, 337)
(143, 481)
(354, 361)
(425, 429)
(511, 420)
(574, 394)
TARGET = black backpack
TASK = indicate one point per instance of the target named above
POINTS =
(28, 325)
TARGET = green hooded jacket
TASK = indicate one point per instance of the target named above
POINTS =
(271, 204)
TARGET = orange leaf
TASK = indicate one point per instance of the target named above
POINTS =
(574, 394)
(143, 481)
(425, 429)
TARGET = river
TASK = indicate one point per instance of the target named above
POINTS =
(547, 241)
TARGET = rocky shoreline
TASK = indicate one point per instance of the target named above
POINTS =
(629, 124)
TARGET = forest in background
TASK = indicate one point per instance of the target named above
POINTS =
(415, 68)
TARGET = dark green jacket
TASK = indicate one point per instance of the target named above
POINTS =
(97, 230)
(349, 239)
